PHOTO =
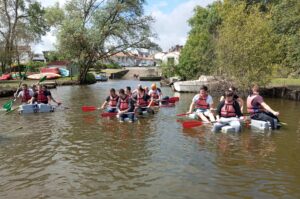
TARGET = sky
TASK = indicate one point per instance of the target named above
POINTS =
(170, 22)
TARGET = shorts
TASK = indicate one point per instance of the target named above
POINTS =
(205, 112)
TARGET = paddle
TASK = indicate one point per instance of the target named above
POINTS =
(191, 124)
(10, 102)
(107, 114)
(89, 108)
(182, 114)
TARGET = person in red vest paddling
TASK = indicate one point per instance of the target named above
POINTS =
(25, 94)
(43, 96)
(260, 110)
(125, 106)
(203, 103)
(228, 113)
(111, 101)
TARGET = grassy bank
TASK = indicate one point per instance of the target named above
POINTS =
(285, 82)
(13, 84)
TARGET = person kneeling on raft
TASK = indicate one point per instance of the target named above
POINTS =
(259, 110)
(228, 113)
(203, 103)
(142, 102)
(43, 96)
(125, 107)
(111, 101)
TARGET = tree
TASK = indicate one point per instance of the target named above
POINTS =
(286, 24)
(198, 55)
(21, 22)
(246, 47)
(95, 30)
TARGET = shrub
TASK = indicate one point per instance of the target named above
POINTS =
(90, 78)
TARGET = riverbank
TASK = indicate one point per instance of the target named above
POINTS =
(8, 88)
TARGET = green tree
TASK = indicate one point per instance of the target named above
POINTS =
(95, 30)
(21, 22)
(246, 47)
(198, 55)
(286, 24)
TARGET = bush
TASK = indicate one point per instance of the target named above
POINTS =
(90, 78)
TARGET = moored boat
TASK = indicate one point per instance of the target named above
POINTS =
(40, 75)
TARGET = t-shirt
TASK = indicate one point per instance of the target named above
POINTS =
(145, 97)
(209, 99)
(46, 93)
(156, 91)
(21, 93)
(256, 102)
(108, 98)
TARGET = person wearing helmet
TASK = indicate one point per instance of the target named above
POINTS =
(155, 94)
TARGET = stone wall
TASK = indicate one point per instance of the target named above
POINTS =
(291, 93)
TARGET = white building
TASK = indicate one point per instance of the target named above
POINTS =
(170, 58)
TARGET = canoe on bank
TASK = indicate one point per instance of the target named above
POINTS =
(253, 124)
(35, 108)
(40, 75)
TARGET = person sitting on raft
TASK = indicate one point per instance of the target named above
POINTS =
(111, 101)
(155, 94)
(128, 91)
(25, 94)
(203, 104)
(228, 113)
(43, 96)
(143, 102)
(259, 110)
(235, 97)
(125, 107)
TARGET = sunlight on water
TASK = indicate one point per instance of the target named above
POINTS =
(72, 154)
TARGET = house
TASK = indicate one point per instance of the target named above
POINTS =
(38, 58)
(170, 58)
(125, 59)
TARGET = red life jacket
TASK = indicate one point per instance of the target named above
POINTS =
(253, 108)
(154, 95)
(140, 101)
(201, 103)
(42, 98)
(228, 110)
(26, 96)
(113, 101)
(124, 103)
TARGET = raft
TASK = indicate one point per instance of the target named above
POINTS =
(35, 108)
(254, 124)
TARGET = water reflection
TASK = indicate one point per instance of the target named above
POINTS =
(73, 154)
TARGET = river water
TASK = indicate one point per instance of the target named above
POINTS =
(72, 154)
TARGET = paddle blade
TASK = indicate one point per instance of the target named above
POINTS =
(190, 124)
(88, 108)
(8, 105)
(176, 99)
(108, 114)
(43, 79)
(182, 114)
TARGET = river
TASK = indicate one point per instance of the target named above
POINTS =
(73, 154)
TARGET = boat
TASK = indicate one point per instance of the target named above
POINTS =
(150, 78)
(40, 75)
(35, 108)
(193, 85)
(64, 72)
(101, 77)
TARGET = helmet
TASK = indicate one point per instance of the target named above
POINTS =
(153, 86)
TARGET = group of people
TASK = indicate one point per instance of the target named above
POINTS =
(126, 103)
(36, 94)
(230, 109)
